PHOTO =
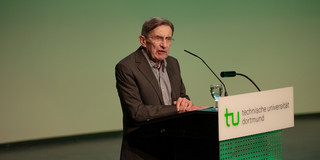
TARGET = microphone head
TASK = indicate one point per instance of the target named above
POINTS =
(228, 74)
(192, 53)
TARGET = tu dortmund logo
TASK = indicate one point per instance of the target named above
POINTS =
(232, 116)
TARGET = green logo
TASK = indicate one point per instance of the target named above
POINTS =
(231, 114)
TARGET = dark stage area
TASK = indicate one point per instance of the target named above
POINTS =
(300, 142)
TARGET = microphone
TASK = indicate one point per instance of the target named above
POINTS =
(234, 73)
(225, 93)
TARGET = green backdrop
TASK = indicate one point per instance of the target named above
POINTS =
(57, 57)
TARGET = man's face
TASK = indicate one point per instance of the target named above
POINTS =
(157, 43)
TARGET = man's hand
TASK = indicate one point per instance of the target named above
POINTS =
(185, 105)
(182, 104)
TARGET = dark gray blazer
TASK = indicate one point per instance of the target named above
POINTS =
(141, 98)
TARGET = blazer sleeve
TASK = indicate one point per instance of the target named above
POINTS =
(130, 92)
(182, 88)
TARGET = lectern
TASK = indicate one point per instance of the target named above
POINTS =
(247, 126)
(191, 135)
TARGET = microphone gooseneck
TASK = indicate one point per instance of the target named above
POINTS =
(228, 74)
(233, 74)
(225, 93)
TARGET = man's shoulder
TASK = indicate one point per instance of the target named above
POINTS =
(131, 58)
(172, 60)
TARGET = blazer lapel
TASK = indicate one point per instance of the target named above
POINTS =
(171, 72)
(146, 70)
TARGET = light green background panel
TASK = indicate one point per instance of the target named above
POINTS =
(57, 68)
(275, 43)
(57, 58)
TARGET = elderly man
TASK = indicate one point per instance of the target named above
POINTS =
(149, 83)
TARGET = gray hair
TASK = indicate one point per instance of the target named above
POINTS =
(154, 22)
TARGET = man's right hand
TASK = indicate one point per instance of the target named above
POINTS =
(185, 105)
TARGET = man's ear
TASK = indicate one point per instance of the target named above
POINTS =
(143, 41)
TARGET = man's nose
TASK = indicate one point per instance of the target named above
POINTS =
(164, 43)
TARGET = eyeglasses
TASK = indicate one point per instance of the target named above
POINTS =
(159, 39)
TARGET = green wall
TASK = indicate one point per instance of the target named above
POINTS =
(57, 57)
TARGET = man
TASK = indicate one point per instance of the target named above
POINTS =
(149, 84)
